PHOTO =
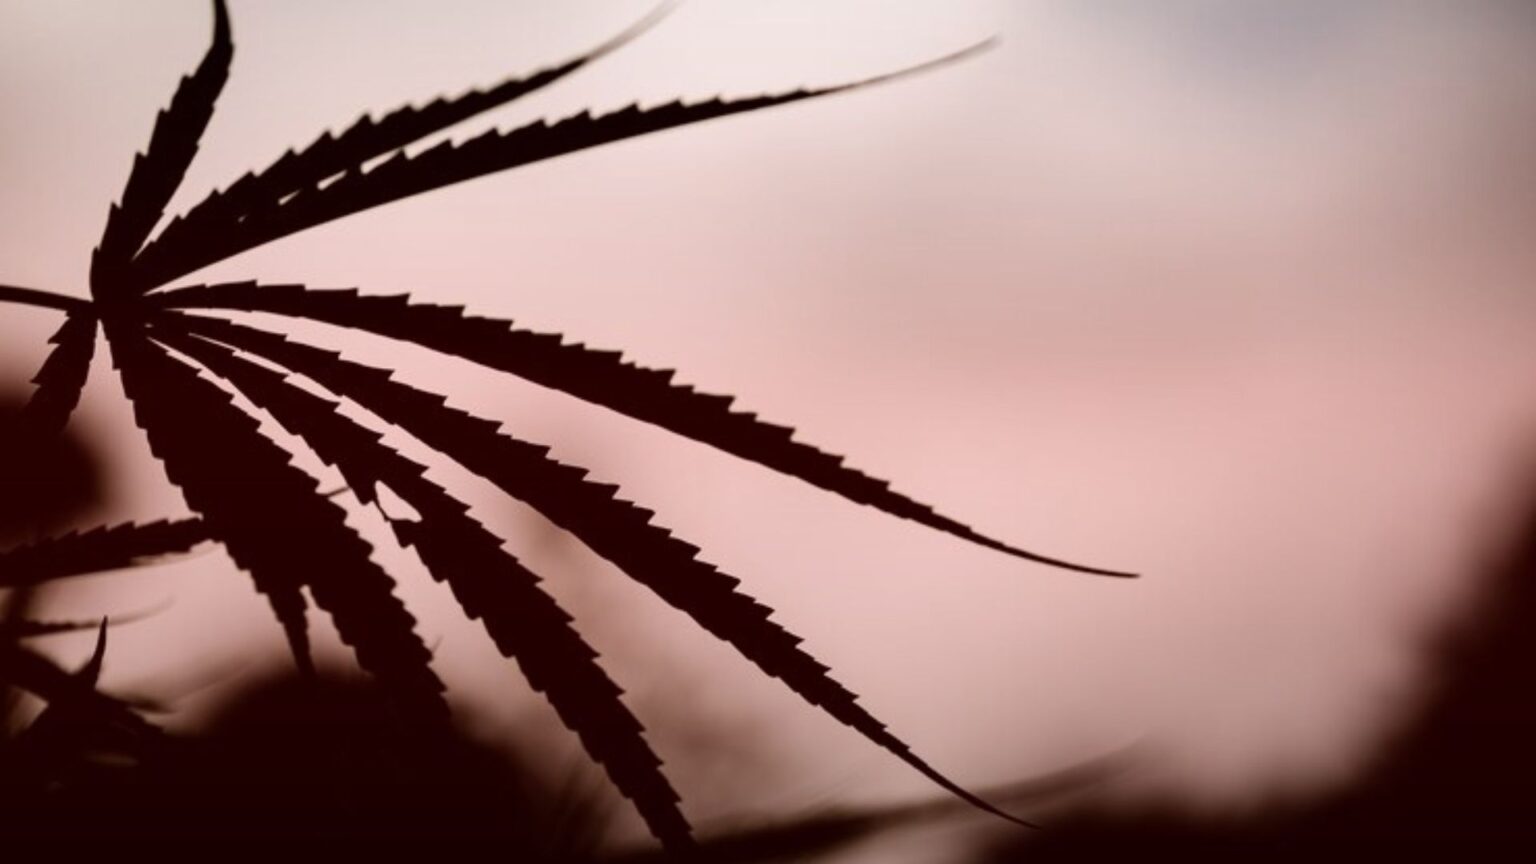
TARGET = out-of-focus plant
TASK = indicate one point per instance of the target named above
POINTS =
(181, 369)
(46, 476)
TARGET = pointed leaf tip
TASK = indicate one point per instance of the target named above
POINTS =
(219, 225)
(524, 622)
(157, 172)
(612, 527)
(602, 378)
(91, 671)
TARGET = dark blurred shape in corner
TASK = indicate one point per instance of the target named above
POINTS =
(1459, 779)
(46, 485)
(313, 769)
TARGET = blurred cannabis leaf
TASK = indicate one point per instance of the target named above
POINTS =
(79, 719)
(180, 371)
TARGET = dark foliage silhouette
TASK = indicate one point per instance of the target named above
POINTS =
(299, 765)
(1454, 782)
(181, 368)
(75, 706)
(73, 696)
(108, 547)
(50, 477)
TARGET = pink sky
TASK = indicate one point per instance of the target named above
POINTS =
(1252, 317)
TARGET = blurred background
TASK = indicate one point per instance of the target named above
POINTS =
(1235, 294)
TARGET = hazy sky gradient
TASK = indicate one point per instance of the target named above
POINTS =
(1237, 294)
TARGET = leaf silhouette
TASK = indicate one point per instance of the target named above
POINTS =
(78, 721)
(612, 527)
(159, 170)
(57, 723)
(179, 370)
(525, 623)
(71, 693)
(178, 247)
(250, 495)
(77, 714)
(104, 548)
(403, 175)
(90, 673)
(602, 377)
(62, 376)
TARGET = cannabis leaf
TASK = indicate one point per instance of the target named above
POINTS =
(104, 548)
(181, 369)
(73, 696)
(68, 693)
